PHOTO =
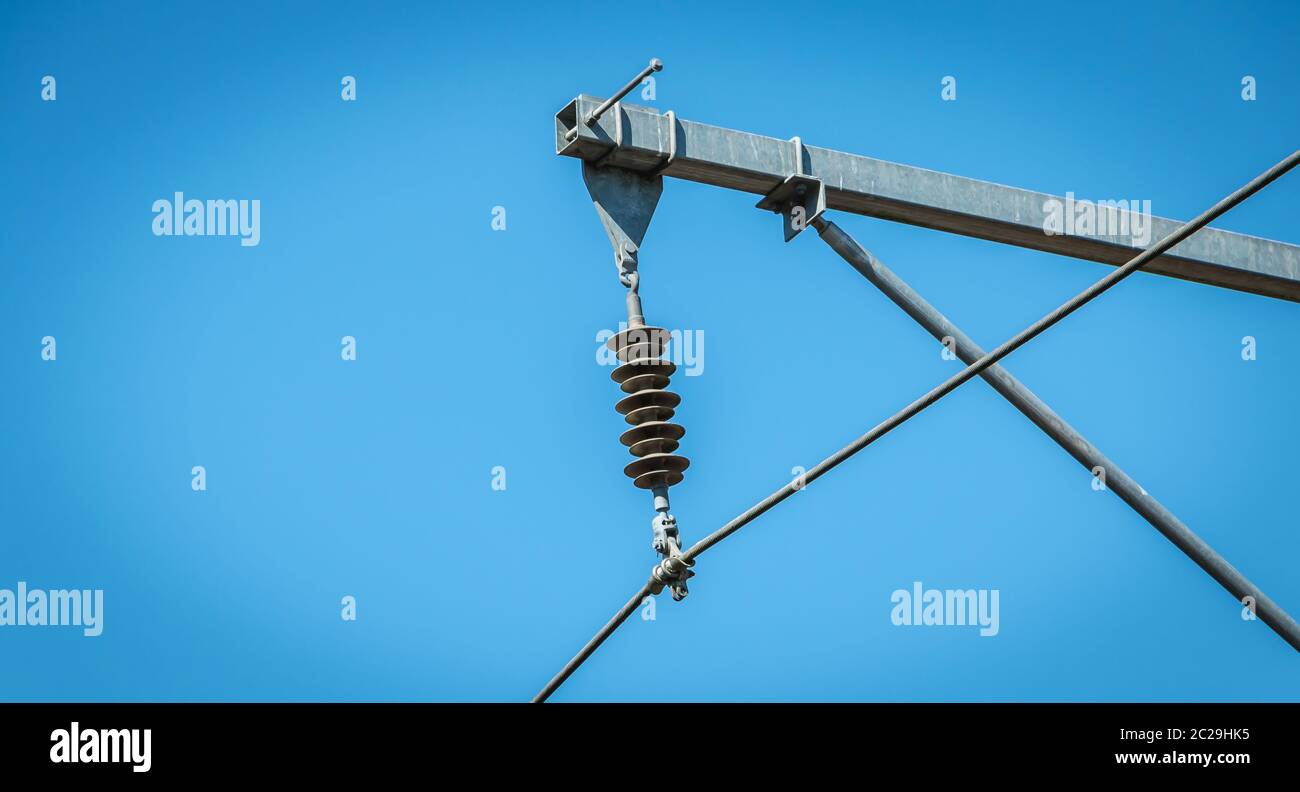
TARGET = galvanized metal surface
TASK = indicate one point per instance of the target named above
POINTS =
(876, 188)
(1066, 436)
(625, 201)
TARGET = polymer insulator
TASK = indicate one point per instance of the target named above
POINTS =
(644, 375)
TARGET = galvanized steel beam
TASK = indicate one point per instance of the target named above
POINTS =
(642, 139)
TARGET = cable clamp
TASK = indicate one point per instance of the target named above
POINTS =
(671, 572)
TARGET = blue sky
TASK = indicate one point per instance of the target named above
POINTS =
(476, 348)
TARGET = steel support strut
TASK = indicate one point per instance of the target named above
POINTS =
(1023, 399)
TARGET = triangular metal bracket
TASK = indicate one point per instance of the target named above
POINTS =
(625, 201)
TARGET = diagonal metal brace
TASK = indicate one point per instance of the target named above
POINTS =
(1066, 436)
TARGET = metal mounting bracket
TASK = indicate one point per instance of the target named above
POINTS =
(799, 199)
(618, 137)
(668, 162)
(625, 201)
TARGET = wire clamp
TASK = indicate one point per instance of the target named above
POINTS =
(672, 572)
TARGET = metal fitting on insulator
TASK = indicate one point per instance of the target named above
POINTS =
(667, 542)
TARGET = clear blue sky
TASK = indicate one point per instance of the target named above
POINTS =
(476, 348)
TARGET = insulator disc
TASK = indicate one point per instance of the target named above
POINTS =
(627, 371)
(650, 429)
(644, 382)
(637, 353)
(653, 445)
(656, 463)
(645, 414)
(655, 338)
(648, 398)
(658, 478)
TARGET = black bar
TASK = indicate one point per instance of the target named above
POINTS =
(442, 744)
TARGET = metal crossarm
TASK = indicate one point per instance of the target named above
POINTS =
(642, 140)
(672, 567)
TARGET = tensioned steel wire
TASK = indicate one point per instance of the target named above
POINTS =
(929, 398)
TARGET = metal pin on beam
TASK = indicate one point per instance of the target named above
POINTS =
(594, 116)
